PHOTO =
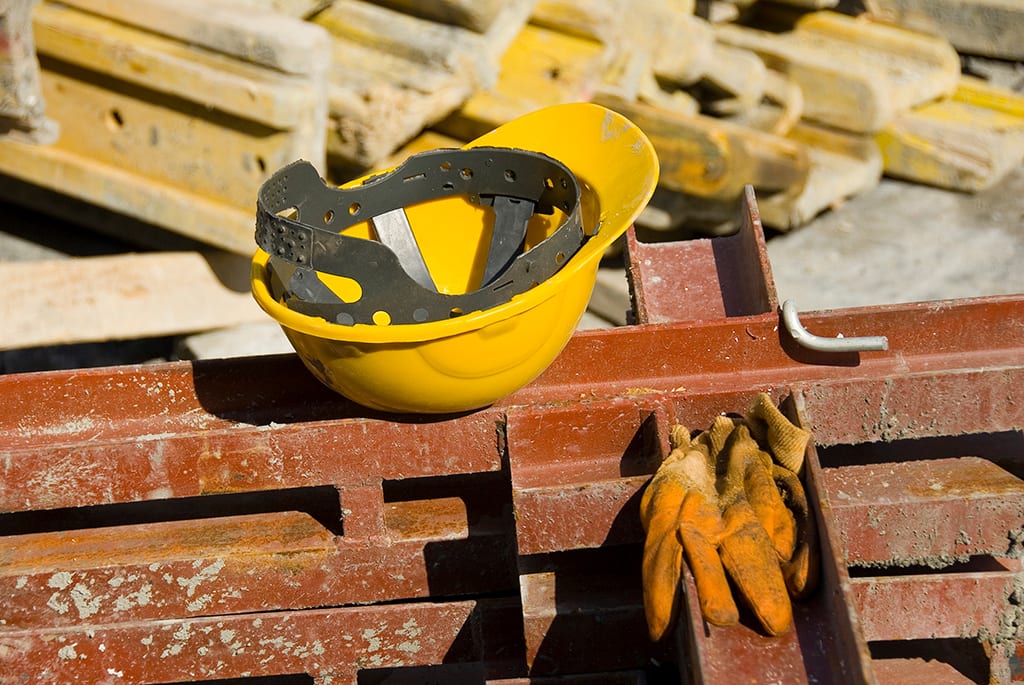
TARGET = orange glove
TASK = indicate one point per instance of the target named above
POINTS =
(717, 499)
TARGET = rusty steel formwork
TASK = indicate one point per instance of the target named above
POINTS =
(232, 519)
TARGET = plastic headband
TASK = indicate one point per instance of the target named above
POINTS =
(390, 271)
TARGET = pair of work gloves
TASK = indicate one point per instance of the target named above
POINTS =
(731, 500)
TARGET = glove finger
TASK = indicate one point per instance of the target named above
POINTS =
(662, 568)
(679, 437)
(700, 527)
(738, 453)
(660, 503)
(771, 510)
(663, 552)
(715, 437)
(750, 559)
(802, 569)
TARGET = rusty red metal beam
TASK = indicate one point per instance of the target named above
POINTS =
(703, 279)
(336, 642)
(955, 508)
(583, 612)
(937, 605)
(528, 505)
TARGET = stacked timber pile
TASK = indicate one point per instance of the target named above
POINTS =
(811, 112)
(172, 112)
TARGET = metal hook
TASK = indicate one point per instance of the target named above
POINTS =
(804, 338)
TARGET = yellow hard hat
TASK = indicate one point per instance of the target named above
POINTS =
(456, 278)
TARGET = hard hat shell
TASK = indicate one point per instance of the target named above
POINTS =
(470, 361)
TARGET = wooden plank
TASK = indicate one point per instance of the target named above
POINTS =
(967, 142)
(475, 15)
(164, 132)
(599, 20)
(121, 297)
(662, 44)
(701, 156)
(855, 75)
(979, 27)
(810, 4)
(300, 9)
(261, 37)
(394, 74)
(64, 173)
(173, 68)
(841, 165)
(714, 158)
(542, 67)
(602, 20)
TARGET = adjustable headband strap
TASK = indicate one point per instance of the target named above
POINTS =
(309, 242)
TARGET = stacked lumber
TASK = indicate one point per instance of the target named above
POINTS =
(172, 112)
(810, 113)
(398, 67)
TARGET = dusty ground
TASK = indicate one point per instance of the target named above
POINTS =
(903, 243)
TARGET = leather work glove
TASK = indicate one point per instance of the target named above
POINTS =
(721, 500)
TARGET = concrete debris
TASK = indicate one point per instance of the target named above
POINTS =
(22, 108)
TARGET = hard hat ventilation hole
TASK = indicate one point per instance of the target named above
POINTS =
(466, 173)
(288, 213)
(381, 318)
(445, 166)
(510, 175)
(560, 258)
(449, 186)
(455, 311)
(328, 216)
(354, 208)
(548, 183)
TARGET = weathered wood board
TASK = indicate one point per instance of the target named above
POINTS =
(967, 142)
(855, 75)
(993, 28)
(168, 133)
(394, 74)
(122, 297)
